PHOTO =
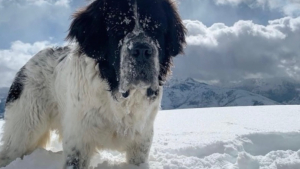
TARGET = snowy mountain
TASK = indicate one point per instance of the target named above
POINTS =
(282, 90)
(190, 93)
(262, 137)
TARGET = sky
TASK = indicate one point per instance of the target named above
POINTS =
(227, 40)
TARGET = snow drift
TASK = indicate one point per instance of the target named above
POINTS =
(265, 137)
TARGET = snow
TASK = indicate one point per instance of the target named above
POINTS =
(266, 137)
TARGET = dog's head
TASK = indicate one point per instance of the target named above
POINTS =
(133, 41)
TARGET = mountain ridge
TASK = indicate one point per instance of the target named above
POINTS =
(190, 93)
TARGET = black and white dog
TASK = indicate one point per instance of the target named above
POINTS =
(102, 92)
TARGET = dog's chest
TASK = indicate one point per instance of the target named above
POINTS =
(120, 120)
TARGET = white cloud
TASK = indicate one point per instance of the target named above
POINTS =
(63, 2)
(231, 2)
(199, 34)
(14, 58)
(288, 7)
(244, 50)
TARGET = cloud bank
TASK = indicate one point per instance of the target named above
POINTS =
(242, 51)
(288, 7)
(14, 58)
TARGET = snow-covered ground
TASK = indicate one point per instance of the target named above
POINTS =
(265, 137)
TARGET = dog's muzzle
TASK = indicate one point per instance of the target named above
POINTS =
(139, 63)
(143, 64)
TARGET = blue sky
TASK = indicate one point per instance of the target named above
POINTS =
(228, 40)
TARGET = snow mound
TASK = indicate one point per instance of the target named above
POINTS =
(229, 138)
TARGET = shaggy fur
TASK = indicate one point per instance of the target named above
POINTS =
(104, 91)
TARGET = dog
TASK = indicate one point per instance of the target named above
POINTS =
(103, 90)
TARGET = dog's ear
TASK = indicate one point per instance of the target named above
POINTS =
(88, 29)
(175, 36)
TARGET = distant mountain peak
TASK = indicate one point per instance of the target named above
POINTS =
(190, 93)
(192, 80)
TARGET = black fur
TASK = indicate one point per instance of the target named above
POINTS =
(17, 87)
(73, 160)
(61, 50)
(62, 58)
(98, 31)
(126, 94)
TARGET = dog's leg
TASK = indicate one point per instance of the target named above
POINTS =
(77, 151)
(138, 151)
(77, 157)
(78, 146)
(25, 129)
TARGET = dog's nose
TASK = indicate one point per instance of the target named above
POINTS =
(142, 51)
